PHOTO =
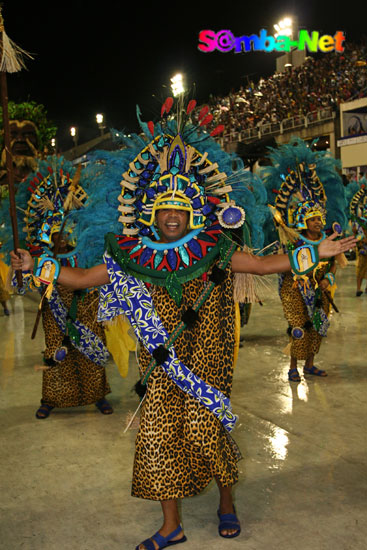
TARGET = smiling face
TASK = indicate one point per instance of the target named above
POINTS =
(172, 224)
(314, 226)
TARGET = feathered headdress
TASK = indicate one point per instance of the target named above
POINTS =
(300, 197)
(44, 203)
(358, 207)
(163, 167)
(52, 196)
(171, 173)
(298, 182)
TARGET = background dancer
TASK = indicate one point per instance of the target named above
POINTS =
(75, 354)
(300, 211)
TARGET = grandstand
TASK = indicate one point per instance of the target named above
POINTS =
(310, 101)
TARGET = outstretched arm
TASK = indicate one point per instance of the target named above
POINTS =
(277, 263)
(74, 278)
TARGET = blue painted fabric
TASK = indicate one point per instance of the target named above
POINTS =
(129, 296)
(89, 344)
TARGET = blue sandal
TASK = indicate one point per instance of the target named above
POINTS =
(314, 370)
(163, 541)
(43, 411)
(104, 406)
(293, 375)
(227, 522)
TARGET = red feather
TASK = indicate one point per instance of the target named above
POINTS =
(213, 200)
(218, 130)
(151, 127)
(169, 103)
(166, 107)
(191, 106)
(275, 191)
(206, 120)
(204, 111)
(50, 169)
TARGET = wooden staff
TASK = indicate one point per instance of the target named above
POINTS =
(331, 301)
(10, 61)
(9, 170)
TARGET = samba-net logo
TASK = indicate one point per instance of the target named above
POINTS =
(225, 41)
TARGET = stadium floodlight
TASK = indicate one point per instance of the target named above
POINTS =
(284, 27)
(100, 122)
(74, 135)
(177, 84)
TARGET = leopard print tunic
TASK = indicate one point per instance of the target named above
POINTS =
(361, 265)
(295, 312)
(180, 445)
(76, 380)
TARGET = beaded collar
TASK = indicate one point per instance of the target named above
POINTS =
(170, 266)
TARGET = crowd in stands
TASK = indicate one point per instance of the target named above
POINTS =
(319, 84)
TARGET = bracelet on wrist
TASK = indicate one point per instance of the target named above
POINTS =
(330, 277)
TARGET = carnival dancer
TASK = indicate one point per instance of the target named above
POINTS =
(300, 216)
(173, 272)
(75, 354)
(307, 302)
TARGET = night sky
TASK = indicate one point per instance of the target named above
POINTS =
(110, 56)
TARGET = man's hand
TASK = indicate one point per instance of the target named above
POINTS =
(329, 247)
(324, 284)
(24, 262)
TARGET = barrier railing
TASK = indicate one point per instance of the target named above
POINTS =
(271, 128)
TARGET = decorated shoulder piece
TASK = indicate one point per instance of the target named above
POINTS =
(303, 258)
(46, 270)
(45, 273)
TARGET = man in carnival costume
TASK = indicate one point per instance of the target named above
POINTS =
(171, 272)
(75, 354)
(300, 216)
